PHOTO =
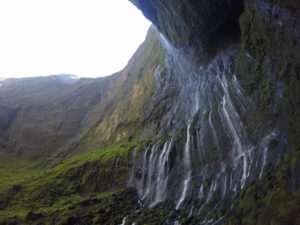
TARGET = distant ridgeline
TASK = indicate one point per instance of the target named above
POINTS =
(201, 127)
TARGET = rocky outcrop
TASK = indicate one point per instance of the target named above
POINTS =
(199, 26)
(239, 118)
(268, 64)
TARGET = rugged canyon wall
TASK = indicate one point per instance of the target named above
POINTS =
(202, 26)
(234, 118)
(210, 107)
(49, 117)
(210, 153)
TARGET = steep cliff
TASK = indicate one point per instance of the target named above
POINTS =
(241, 114)
(202, 26)
(210, 108)
(48, 116)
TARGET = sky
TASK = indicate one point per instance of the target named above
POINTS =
(88, 38)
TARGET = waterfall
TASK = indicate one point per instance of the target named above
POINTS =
(187, 167)
(123, 221)
(216, 156)
(154, 179)
(162, 178)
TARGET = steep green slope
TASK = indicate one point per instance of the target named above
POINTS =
(92, 179)
(43, 117)
(90, 187)
(127, 110)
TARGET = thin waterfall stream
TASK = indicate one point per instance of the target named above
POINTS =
(209, 153)
(188, 167)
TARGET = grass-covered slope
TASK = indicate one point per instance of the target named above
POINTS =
(89, 188)
(53, 120)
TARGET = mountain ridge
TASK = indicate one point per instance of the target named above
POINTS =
(101, 97)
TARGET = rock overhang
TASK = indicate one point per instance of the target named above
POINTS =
(202, 25)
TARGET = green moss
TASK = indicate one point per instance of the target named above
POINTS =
(268, 201)
(270, 74)
(75, 179)
(288, 75)
(155, 216)
(104, 156)
(265, 100)
(14, 170)
(105, 208)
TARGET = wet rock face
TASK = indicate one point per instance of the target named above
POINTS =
(203, 25)
(268, 64)
(210, 153)
(233, 119)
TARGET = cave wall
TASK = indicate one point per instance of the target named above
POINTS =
(244, 99)
(201, 26)
(268, 64)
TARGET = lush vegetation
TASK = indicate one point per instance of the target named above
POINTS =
(90, 187)
(80, 182)
(14, 170)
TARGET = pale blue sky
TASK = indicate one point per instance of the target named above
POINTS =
(82, 37)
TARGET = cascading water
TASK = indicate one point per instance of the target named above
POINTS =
(187, 167)
(123, 221)
(209, 154)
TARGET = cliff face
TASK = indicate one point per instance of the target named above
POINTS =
(202, 26)
(215, 100)
(239, 113)
(55, 116)
(241, 118)
(268, 63)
